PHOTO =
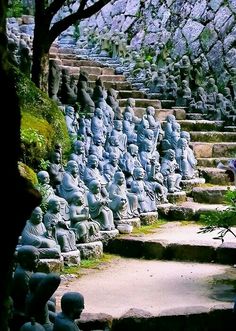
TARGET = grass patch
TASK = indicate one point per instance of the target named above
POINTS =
(147, 229)
(99, 263)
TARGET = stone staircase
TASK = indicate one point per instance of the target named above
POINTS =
(212, 143)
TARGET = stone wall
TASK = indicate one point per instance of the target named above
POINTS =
(173, 28)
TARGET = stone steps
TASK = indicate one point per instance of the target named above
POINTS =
(142, 103)
(212, 162)
(202, 125)
(214, 176)
(213, 150)
(175, 241)
(187, 211)
(213, 136)
(210, 195)
(135, 94)
(122, 85)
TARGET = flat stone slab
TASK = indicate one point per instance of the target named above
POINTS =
(176, 197)
(213, 136)
(187, 185)
(188, 210)
(142, 103)
(147, 288)
(211, 194)
(175, 241)
(71, 258)
(135, 222)
(212, 162)
(215, 176)
(91, 250)
(201, 125)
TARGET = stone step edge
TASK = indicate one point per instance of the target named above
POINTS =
(176, 318)
(162, 250)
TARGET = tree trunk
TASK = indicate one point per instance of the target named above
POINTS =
(40, 67)
(41, 46)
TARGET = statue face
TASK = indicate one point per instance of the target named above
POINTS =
(36, 216)
(56, 206)
(134, 150)
(96, 188)
(93, 162)
(74, 170)
(120, 178)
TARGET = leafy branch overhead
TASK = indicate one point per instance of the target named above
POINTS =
(223, 220)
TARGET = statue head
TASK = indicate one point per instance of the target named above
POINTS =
(139, 173)
(99, 113)
(170, 154)
(72, 304)
(54, 205)
(149, 134)
(28, 257)
(79, 147)
(94, 186)
(92, 161)
(77, 198)
(170, 118)
(36, 216)
(185, 135)
(119, 178)
(113, 159)
(56, 157)
(72, 168)
(211, 81)
(130, 102)
(70, 111)
(133, 149)
(150, 110)
(118, 125)
(114, 141)
(43, 177)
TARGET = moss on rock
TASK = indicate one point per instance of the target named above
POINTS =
(27, 173)
(43, 124)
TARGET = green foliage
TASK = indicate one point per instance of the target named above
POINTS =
(44, 192)
(43, 124)
(15, 8)
(95, 263)
(222, 220)
(147, 229)
(76, 33)
(27, 173)
(44, 164)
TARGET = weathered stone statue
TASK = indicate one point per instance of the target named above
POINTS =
(129, 161)
(27, 258)
(71, 182)
(146, 197)
(111, 167)
(54, 222)
(83, 97)
(55, 169)
(35, 234)
(185, 159)
(185, 68)
(97, 124)
(42, 286)
(118, 132)
(123, 203)
(54, 77)
(156, 179)
(32, 326)
(71, 122)
(211, 90)
(48, 193)
(168, 170)
(85, 229)
(129, 128)
(79, 156)
(99, 207)
(72, 305)
(67, 94)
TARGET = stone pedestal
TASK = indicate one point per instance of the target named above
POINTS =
(71, 258)
(50, 265)
(188, 185)
(108, 235)
(92, 250)
(176, 197)
(148, 218)
(135, 222)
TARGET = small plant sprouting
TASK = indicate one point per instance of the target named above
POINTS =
(222, 220)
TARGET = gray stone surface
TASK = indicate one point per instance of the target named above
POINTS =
(168, 285)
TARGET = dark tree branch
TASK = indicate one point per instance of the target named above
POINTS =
(53, 8)
(69, 20)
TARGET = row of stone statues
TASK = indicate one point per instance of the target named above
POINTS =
(33, 300)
